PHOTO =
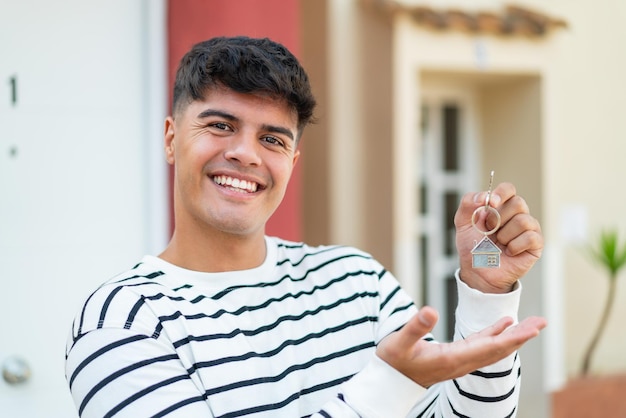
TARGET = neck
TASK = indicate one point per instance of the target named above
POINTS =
(217, 252)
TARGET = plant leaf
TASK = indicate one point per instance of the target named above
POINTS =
(608, 253)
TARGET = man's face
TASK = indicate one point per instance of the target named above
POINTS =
(233, 155)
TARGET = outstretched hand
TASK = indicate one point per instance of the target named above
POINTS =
(428, 363)
(519, 237)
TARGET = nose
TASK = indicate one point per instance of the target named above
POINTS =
(244, 149)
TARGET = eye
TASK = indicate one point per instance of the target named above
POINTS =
(220, 125)
(273, 140)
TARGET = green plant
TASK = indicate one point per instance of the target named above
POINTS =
(613, 259)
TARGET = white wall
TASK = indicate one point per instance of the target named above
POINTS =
(590, 100)
(82, 188)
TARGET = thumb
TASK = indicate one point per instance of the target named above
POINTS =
(472, 201)
(421, 324)
(398, 348)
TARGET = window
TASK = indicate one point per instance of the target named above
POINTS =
(443, 176)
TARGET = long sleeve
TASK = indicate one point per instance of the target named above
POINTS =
(492, 391)
(117, 372)
(294, 338)
(307, 346)
(114, 372)
(378, 391)
(381, 391)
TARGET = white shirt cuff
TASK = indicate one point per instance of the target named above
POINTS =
(477, 310)
(379, 390)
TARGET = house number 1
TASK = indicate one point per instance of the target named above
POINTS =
(13, 84)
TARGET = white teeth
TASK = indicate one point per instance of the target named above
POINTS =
(236, 184)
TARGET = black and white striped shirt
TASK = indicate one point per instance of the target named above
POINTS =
(294, 337)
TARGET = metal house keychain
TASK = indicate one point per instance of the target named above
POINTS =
(486, 253)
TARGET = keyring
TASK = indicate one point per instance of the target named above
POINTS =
(486, 253)
(488, 208)
(492, 210)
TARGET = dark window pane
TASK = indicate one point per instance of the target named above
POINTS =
(424, 121)
(450, 150)
(423, 203)
(424, 264)
(452, 299)
(451, 201)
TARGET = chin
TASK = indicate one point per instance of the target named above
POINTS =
(239, 229)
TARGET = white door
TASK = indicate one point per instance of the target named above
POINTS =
(77, 177)
(449, 152)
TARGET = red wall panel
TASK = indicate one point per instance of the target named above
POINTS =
(191, 21)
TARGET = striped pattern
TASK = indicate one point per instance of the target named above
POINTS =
(278, 340)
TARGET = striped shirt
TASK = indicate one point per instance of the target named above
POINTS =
(294, 337)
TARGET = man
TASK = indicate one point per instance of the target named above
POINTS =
(228, 322)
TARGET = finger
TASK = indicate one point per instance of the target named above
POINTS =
(428, 364)
(502, 336)
(528, 241)
(417, 327)
(496, 329)
(498, 196)
(516, 225)
(398, 348)
(514, 337)
(489, 346)
(521, 233)
(502, 194)
(513, 206)
(471, 201)
(527, 329)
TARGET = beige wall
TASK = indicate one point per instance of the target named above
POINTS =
(590, 97)
(347, 154)
(512, 135)
(552, 112)
(584, 167)
(577, 80)
(315, 145)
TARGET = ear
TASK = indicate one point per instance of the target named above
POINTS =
(169, 140)
(296, 157)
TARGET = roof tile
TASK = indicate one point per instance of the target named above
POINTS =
(512, 21)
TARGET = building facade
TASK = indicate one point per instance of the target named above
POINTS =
(418, 102)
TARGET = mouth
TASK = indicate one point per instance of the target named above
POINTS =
(235, 184)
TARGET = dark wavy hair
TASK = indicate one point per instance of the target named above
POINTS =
(245, 65)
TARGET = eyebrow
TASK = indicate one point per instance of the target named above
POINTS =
(212, 112)
(278, 130)
(270, 128)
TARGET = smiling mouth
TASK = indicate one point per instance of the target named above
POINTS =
(237, 185)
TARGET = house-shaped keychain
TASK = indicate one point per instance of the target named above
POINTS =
(486, 254)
